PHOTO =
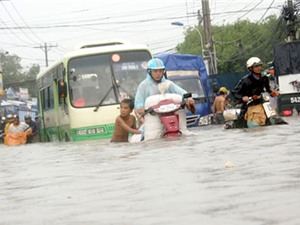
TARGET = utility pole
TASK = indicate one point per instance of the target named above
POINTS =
(46, 48)
(2, 92)
(290, 16)
(210, 52)
(1, 80)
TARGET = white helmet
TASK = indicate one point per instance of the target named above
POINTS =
(253, 61)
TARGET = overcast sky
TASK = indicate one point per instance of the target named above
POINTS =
(25, 25)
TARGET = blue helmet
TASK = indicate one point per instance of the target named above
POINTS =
(154, 64)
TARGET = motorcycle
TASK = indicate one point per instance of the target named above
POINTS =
(164, 117)
(235, 117)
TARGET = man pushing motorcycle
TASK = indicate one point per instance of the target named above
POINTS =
(249, 90)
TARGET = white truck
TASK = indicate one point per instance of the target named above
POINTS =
(287, 73)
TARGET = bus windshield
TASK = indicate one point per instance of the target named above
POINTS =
(106, 79)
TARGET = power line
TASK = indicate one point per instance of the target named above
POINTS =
(25, 22)
(93, 23)
(13, 19)
(250, 31)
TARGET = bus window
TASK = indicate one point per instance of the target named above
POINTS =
(90, 80)
(129, 75)
(42, 96)
(51, 97)
(47, 98)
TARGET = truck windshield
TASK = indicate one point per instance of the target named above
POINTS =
(192, 85)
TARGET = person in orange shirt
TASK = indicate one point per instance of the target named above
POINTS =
(17, 132)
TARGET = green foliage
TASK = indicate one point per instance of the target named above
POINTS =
(15, 77)
(236, 43)
(191, 44)
(31, 79)
(11, 68)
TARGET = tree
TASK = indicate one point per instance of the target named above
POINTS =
(237, 42)
(11, 68)
(14, 76)
(30, 79)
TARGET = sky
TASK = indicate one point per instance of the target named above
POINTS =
(26, 25)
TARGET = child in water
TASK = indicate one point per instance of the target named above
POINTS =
(125, 122)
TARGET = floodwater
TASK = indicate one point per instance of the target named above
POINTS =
(213, 176)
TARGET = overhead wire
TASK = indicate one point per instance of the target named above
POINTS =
(122, 25)
(246, 12)
(123, 16)
(17, 26)
(31, 43)
(31, 31)
(250, 33)
(66, 25)
(105, 23)
(257, 40)
(255, 6)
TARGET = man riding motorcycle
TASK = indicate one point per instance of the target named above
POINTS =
(251, 87)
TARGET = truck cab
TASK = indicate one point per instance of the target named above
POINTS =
(287, 73)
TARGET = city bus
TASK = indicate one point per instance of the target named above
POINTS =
(79, 95)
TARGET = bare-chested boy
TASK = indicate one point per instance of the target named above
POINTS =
(125, 122)
(219, 106)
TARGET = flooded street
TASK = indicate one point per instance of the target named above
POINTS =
(214, 176)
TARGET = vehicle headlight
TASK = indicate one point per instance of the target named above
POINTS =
(205, 120)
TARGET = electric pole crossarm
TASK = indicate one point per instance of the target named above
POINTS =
(46, 48)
